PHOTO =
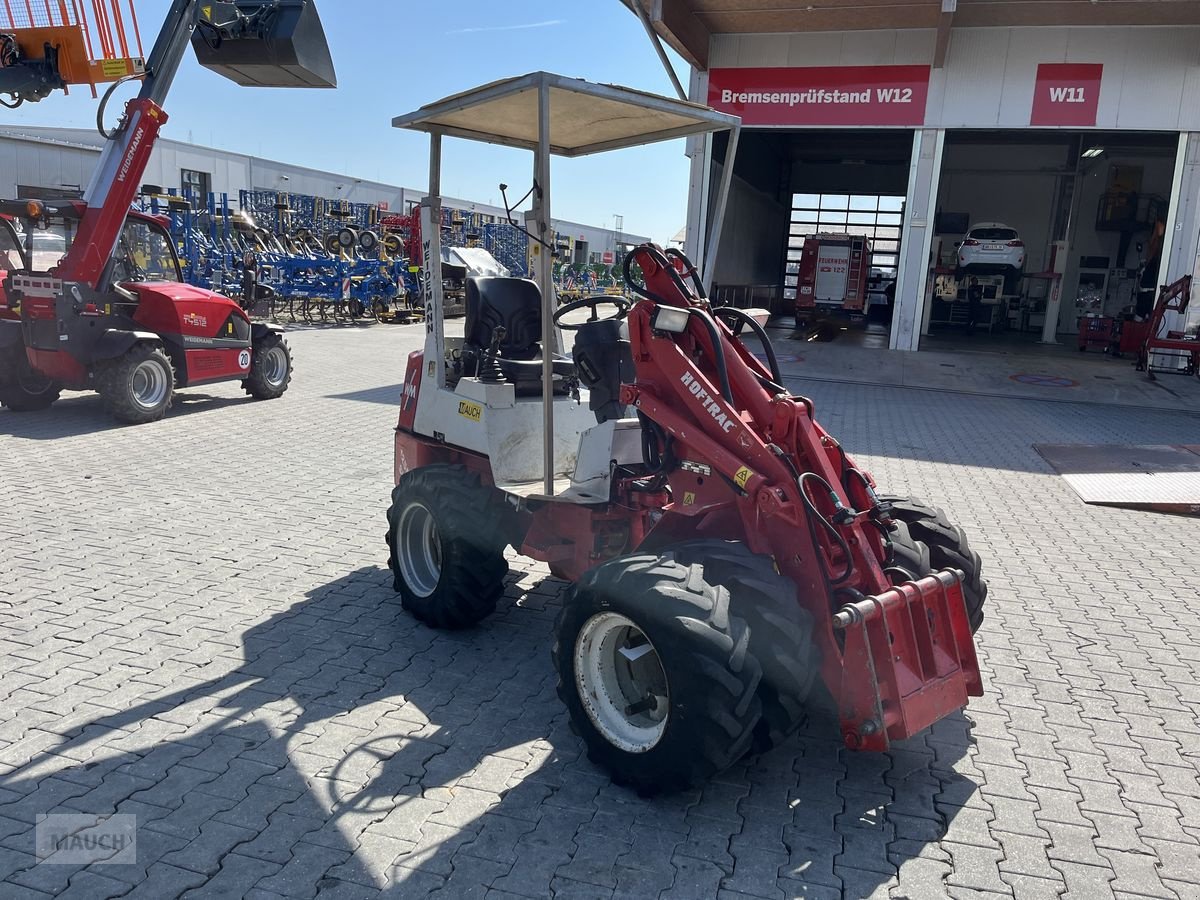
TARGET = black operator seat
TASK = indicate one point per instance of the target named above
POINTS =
(514, 304)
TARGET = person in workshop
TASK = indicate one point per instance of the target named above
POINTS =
(1148, 281)
(974, 304)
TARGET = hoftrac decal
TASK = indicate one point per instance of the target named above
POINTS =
(710, 405)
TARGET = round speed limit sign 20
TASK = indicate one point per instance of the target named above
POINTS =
(244, 359)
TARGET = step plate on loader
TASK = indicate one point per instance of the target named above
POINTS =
(908, 660)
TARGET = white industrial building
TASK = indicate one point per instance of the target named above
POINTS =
(1075, 123)
(49, 163)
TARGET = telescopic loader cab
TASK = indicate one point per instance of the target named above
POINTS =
(108, 311)
(725, 551)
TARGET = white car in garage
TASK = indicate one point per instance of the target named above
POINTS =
(992, 248)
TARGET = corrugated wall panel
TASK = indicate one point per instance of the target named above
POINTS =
(805, 50)
(974, 74)
(915, 46)
(876, 48)
(763, 50)
(1149, 93)
(1027, 48)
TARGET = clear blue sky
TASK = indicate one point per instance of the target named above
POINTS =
(395, 55)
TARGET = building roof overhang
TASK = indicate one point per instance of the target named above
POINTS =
(688, 25)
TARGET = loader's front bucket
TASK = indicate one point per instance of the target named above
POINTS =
(908, 660)
(287, 49)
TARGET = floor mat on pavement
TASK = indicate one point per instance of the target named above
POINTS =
(1158, 477)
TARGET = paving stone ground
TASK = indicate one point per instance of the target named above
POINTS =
(197, 628)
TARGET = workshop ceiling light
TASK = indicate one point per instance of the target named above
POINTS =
(1093, 152)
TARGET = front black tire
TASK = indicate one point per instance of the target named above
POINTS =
(139, 386)
(22, 388)
(924, 541)
(781, 632)
(667, 717)
(445, 547)
(270, 369)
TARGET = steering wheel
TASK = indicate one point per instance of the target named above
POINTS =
(592, 303)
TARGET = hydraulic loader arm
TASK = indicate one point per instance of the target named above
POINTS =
(278, 42)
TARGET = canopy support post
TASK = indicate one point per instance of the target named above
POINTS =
(718, 219)
(545, 281)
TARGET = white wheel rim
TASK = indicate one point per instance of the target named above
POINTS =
(419, 549)
(275, 366)
(622, 683)
(149, 387)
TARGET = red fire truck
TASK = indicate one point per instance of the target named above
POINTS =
(834, 270)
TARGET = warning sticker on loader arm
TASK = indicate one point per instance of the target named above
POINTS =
(741, 476)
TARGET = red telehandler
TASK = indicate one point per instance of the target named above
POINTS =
(93, 297)
(725, 552)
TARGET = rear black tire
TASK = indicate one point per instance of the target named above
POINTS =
(710, 708)
(270, 369)
(781, 632)
(22, 389)
(925, 541)
(138, 387)
(462, 579)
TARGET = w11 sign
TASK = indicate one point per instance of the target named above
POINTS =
(1067, 94)
(822, 95)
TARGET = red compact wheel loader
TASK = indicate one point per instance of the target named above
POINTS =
(93, 296)
(725, 552)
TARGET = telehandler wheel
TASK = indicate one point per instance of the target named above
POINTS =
(781, 631)
(22, 389)
(271, 369)
(138, 387)
(656, 672)
(925, 541)
(446, 549)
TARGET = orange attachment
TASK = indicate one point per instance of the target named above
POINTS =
(68, 27)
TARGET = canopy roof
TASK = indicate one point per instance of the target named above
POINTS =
(584, 117)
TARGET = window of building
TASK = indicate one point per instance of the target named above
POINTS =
(199, 184)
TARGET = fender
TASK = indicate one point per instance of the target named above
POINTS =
(115, 342)
(259, 330)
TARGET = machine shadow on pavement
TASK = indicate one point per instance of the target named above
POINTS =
(344, 747)
(389, 395)
(79, 414)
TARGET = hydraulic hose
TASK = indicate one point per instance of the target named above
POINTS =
(714, 333)
(828, 525)
(672, 253)
(665, 265)
(108, 135)
(761, 334)
(626, 269)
